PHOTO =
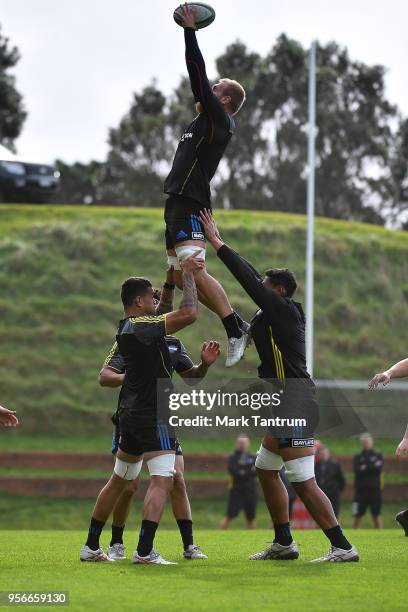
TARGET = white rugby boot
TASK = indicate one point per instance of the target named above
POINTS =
(338, 555)
(277, 552)
(153, 557)
(194, 552)
(236, 348)
(87, 554)
(117, 552)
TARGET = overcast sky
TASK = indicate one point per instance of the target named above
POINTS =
(82, 59)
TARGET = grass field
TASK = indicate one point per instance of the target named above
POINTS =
(60, 273)
(48, 561)
(19, 512)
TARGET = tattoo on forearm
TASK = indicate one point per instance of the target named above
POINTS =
(166, 302)
(189, 297)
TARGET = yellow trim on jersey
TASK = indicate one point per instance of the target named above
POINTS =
(280, 370)
(110, 355)
(164, 365)
(151, 319)
(148, 319)
(188, 175)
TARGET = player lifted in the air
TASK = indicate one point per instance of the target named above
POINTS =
(198, 154)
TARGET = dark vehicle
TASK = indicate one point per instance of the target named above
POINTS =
(21, 181)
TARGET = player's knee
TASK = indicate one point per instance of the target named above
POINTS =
(179, 484)
(266, 460)
(162, 465)
(187, 250)
(300, 470)
(127, 471)
(132, 487)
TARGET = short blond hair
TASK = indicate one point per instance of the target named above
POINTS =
(236, 92)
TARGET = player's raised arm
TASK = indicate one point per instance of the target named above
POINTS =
(167, 293)
(210, 352)
(398, 370)
(188, 309)
(200, 84)
(244, 272)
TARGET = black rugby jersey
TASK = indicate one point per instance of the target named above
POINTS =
(367, 467)
(141, 342)
(180, 360)
(278, 327)
(204, 141)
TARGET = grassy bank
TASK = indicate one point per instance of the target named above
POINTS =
(60, 273)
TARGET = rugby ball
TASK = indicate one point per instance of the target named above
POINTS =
(204, 14)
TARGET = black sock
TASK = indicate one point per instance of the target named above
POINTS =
(117, 535)
(186, 532)
(336, 537)
(283, 535)
(95, 530)
(146, 537)
(239, 320)
(231, 326)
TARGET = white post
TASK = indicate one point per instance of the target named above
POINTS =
(310, 207)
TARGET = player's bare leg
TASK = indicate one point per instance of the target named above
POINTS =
(105, 504)
(275, 494)
(180, 504)
(357, 522)
(378, 522)
(161, 469)
(225, 523)
(121, 511)
(212, 294)
(316, 502)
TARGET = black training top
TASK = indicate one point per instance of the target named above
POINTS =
(141, 342)
(204, 141)
(180, 360)
(241, 466)
(278, 328)
(330, 477)
(367, 467)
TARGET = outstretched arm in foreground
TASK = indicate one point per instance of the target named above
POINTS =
(398, 370)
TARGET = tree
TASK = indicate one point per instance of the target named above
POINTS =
(139, 153)
(12, 113)
(361, 162)
(79, 183)
(399, 173)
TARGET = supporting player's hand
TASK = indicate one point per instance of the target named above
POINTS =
(193, 264)
(188, 17)
(210, 352)
(210, 228)
(381, 377)
(8, 417)
(402, 448)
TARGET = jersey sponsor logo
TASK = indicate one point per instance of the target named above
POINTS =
(186, 135)
(302, 442)
(197, 236)
(172, 348)
(181, 234)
